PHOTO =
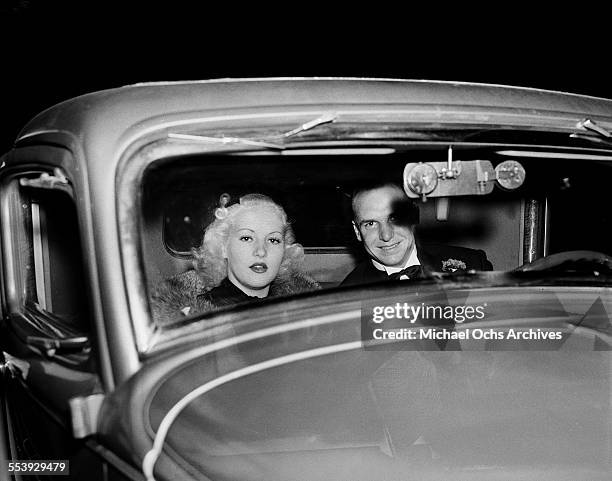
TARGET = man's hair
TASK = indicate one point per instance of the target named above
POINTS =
(409, 210)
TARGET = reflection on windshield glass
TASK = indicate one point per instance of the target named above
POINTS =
(313, 404)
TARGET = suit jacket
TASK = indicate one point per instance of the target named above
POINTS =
(432, 257)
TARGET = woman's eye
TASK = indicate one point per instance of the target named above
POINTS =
(275, 240)
(246, 238)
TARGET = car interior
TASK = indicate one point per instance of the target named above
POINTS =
(513, 227)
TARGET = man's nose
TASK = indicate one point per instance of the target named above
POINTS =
(386, 232)
(260, 249)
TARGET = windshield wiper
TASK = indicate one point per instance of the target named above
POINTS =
(323, 119)
(226, 140)
(590, 125)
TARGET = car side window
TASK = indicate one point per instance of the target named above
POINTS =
(45, 257)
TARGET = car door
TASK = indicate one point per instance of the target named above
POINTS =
(5, 431)
(46, 337)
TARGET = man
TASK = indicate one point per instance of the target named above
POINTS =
(383, 220)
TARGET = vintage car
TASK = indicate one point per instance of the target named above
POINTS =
(105, 197)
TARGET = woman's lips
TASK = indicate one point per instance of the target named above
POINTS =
(259, 268)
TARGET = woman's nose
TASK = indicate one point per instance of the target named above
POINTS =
(260, 250)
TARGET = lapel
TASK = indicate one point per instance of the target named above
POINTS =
(372, 273)
(428, 260)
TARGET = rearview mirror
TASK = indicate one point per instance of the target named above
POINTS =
(456, 177)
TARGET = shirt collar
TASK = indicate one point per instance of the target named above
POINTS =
(413, 260)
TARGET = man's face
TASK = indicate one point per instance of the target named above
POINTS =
(378, 223)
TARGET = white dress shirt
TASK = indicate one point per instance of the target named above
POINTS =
(413, 260)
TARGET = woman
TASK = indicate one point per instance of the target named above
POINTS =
(248, 253)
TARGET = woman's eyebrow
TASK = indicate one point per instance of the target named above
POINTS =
(245, 228)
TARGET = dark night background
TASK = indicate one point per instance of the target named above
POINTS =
(52, 50)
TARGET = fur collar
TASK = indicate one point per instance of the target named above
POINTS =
(181, 295)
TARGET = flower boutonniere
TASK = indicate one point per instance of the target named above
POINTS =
(452, 265)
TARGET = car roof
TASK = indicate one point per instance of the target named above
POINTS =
(144, 100)
(103, 123)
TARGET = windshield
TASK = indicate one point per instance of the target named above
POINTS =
(233, 229)
(460, 331)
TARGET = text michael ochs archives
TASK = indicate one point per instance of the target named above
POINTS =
(388, 325)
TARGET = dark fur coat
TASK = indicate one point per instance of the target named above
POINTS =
(182, 295)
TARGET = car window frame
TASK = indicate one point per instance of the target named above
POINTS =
(18, 307)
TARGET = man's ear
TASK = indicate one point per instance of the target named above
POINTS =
(224, 250)
(357, 233)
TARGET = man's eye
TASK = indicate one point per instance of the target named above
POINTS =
(246, 238)
(369, 224)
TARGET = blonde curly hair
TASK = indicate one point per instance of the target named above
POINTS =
(209, 262)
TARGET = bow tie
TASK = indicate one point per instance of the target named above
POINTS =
(411, 271)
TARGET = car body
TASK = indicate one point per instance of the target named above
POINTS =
(104, 196)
